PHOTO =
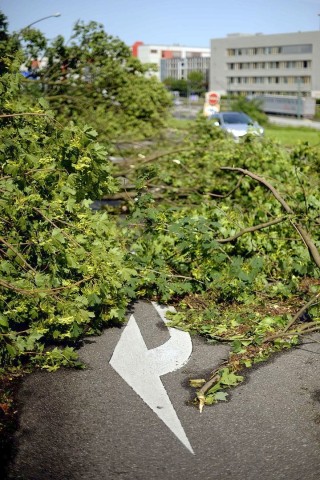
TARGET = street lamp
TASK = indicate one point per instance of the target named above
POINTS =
(43, 18)
(20, 33)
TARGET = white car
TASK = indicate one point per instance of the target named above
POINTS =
(238, 124)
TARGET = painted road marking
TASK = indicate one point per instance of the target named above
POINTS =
(141, 368)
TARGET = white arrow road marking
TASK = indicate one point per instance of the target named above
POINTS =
(141, 368)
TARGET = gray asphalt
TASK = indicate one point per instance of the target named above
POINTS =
(294, 122)
(90, 425)
(191, 111)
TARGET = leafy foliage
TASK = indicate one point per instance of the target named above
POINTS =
(63, 268)
(250, 107)
(219, 245)
(194, 84)
(229, 283)
(94, 79)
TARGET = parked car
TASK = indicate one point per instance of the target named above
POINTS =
(237, 124)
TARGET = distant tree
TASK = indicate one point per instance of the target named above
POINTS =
(250, 107)
(175, 85)
(94, 79)
(8, 45)
(197, 83)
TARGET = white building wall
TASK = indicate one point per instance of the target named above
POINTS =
(257, 69)
(154, 53)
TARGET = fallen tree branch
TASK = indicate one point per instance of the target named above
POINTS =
(201, 393)
(314, 253)
(215, 377)
(36, 291)
(251, 229)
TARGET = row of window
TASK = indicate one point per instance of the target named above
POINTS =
(189, 62)
(265, 92)
(290, 80)
(269, 65)
(280, 50)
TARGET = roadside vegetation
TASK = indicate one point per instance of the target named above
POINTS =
(293, 136)
(228, 233)
(287, 136)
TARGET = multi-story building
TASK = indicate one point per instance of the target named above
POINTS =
(280, 64)
(179, 68)
(173, 61)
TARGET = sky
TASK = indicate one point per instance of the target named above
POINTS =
(166, 22)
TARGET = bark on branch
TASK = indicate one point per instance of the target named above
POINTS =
(251, 229)
(22, 114)
(36, 291)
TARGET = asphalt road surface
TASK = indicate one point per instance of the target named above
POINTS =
(92, 425)
(294, 122)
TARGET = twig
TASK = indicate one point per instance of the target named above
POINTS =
(302, 309)
(18, 254)
(41, 290)
(22, 114)
(33, 170)
(203, 390)
(216, 195)
(251, 229)
(72, 240)
(174, 276)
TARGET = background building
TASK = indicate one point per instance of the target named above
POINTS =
(281, 64)
(174, 61)
(179, 68)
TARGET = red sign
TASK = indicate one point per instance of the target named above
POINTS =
(213, 98)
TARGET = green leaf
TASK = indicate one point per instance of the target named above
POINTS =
(229, 378)
(221, 396)
(3, 321)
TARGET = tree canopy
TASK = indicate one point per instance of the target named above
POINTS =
(195, 83)
(93, 78)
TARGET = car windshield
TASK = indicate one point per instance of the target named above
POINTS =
(236, 117)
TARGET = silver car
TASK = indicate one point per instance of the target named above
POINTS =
(237, 124)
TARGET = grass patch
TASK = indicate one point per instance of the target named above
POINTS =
(291, 136)
(285, 135)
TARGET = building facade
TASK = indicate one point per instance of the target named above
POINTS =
(173, 61)
(179, 68)
(281, 64)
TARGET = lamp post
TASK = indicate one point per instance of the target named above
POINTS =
(41, 19)
(20, 33)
